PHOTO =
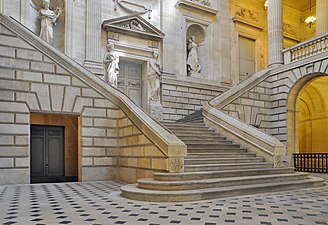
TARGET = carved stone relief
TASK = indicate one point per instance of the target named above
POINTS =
(247, 15)
(133, 8)
(176, 165)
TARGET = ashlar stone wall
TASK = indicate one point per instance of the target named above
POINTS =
(266, 105)
(30, 82)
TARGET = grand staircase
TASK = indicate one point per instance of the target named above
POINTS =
(215, 168)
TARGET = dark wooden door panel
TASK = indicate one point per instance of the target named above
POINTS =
(47, 152)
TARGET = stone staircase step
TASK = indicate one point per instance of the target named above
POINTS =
(220, 174)
(213, 146)
(151, 184)
(221, 150)
(133, 192)
(194, 132)
(219, 155)
(227, 166)
(222, 160)
(208, 142)
(186, 138)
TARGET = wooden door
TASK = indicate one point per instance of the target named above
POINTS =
(129, 80)
(246, 58)
(47, 153)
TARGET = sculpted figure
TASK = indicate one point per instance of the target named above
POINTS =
(193, 65)
(48, 20)
(154, 77)
(111, 65)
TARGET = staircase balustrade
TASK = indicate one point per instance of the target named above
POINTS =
(306, 49)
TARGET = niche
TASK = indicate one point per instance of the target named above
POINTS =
(199, 33)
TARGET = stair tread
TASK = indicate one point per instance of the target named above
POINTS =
(134, 188)
(213, 159)
(230, 164)
(219, 172)
(215, 180)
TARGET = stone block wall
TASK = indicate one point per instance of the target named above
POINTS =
(30, 82)
(253, 107)
(181, 98)
(266, 105)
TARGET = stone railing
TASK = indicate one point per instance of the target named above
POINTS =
(306, 49)
(169, 145)
(248, 136)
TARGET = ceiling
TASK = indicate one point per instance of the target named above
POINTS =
(300, 5)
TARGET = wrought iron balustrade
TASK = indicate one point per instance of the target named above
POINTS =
(311, 162)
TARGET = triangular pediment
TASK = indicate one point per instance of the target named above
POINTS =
(133, 25)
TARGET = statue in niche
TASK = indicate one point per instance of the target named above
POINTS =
(111, 61)
(48, 21)
(154, 74)
(193, 66)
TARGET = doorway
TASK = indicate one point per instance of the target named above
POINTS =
(130, 80)
(47, 153)
(246, 58)
(54, 148)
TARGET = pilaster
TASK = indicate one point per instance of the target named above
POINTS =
(322, 17)
(93, 57)
(275, 33)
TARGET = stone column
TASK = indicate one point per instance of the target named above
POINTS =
(275, 33)
(322, 17)
(93, 57)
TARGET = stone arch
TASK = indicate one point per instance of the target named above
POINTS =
(293, 111)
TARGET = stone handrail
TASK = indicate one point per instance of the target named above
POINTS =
(168, 143)
(306, 49)
(261, 143)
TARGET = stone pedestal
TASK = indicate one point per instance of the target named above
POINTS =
(156, 110)
(196, 75)
(275, 33)
(322, 17)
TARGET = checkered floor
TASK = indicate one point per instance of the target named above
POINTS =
(100, 203)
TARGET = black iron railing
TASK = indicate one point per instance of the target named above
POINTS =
(311, 162)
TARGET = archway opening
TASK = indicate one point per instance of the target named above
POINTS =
(313, 117)
(308, 124)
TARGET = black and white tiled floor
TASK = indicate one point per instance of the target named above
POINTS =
(99, 203)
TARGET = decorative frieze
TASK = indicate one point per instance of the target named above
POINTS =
(198, 5)
(247, 16)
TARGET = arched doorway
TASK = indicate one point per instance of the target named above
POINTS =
(308, 118)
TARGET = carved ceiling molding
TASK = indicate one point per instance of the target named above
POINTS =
(199, 5)
(132, 8)
(133, 25)
(54, 4)
(247, 16)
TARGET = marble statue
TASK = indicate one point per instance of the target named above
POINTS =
(111, 67)
(48, 20)
(154, 77)
(193, 66)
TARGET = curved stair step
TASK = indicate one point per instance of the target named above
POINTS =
(151, 184)
(230, 166)
(219, 174)
(133, 192)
